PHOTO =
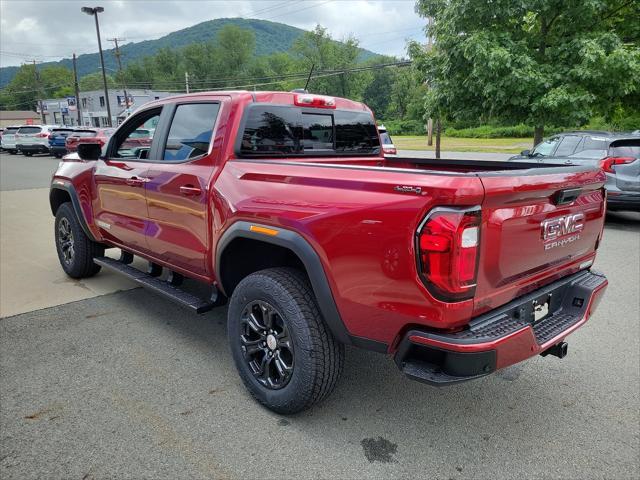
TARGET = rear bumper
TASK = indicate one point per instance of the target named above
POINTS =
(34, 147)
(61, 149)
(502, 337)
(623, 201)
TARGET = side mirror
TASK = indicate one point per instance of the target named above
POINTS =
(525, 153)
(89, 151)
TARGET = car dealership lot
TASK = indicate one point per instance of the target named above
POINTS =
(125, 384)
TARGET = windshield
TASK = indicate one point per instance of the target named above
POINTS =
(140, 134)
(545, 148)
(625, 148)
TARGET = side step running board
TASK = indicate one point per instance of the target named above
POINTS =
(192, 302)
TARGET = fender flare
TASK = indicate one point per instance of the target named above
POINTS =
(311, 261)
(75, 202)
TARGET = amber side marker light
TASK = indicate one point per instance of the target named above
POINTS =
(266, 231)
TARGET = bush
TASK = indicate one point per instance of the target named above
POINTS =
(491, 131)
(403, 127)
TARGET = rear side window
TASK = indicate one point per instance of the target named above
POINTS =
(272, 130)
(595, 143)
(29, 130)
(190, 132)
(625, 148)
(568, 145)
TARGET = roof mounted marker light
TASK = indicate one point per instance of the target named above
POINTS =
(316, 101)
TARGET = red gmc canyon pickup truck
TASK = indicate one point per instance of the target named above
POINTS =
(284, 204)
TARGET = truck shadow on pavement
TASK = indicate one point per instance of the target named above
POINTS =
(627, 221)
(374, 410)
(132, 375)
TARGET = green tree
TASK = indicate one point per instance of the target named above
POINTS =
(93, 81)
(32, 84)
(541, 62)
(318, 49)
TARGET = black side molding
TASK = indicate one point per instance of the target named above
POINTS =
(70, 189)
(305, 252)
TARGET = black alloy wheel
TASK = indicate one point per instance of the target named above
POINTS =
(266, 345)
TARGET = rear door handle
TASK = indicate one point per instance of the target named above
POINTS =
(136, 181)
(190, 190)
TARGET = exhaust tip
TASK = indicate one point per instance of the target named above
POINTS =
(558, 350)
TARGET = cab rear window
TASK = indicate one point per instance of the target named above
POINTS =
(274, 130)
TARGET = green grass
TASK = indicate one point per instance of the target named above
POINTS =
(449, 144)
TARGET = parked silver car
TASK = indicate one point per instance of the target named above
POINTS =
(618, 155)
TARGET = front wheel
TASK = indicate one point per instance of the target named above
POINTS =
(75, 250)
(285, 354)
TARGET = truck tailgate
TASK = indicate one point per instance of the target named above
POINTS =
(537, 226)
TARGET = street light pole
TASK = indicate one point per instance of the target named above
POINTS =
(94, 11)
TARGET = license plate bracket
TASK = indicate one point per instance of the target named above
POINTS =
(540, 308)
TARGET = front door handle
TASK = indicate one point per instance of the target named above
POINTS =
(190, 190)
(136, 181)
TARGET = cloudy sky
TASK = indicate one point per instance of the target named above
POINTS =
(47, 30)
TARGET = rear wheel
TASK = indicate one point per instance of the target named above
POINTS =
(285, 354)
(75, 250)
(27, 154)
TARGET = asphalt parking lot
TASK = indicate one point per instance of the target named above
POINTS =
(99, 380)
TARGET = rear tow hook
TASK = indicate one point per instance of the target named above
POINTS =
(559, 350)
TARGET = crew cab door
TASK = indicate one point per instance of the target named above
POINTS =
(120, 176)
(177, 190)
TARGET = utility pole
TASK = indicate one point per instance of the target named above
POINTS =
(186, 81)
(76, 87)
(118, 54)
(438, 132)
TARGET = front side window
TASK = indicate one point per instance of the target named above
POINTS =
(129, 143)
(273, 130)
(191, 130)
(546, 147)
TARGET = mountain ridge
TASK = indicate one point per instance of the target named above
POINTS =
(270, 36)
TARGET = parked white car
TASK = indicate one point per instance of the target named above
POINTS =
(32, 139)
(9, 139)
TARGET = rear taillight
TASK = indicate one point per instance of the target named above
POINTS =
(607, 163)
(42, 135)
(389, 151)
(447, 247)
